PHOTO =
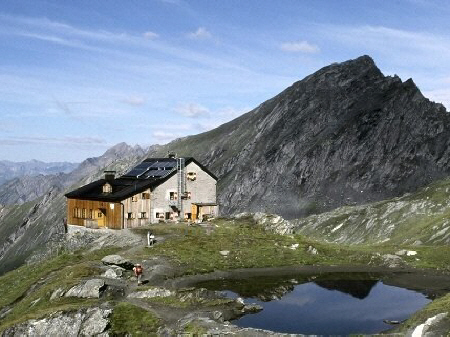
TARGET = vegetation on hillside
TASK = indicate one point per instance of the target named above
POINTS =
(413, 219)
(246, 245)
(226, 244)
(130, 320)
(26, 291)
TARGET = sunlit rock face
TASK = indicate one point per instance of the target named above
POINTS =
(83, 322)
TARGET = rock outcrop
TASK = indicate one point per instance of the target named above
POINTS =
(413, 219)
(114, 273)
(117, 260)
(89, 289)
(83, 322)
(431, 327)
(272, 222)
(151, 293)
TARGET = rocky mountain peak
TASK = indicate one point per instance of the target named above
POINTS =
(344, 74)
(346, 134)
(119, 149)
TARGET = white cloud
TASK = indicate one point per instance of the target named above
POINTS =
(68, 140)
(168, 126)
(439, 96)
(111, 42)
(300, 47)
(164, 137)
(396, 44)
(192, 110)
(134, 100)
(173, 2)
(200, 34)
(205, 126)
(150, 35)
(230, 112)
(59, 40)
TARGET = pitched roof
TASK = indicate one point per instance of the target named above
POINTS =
(150, 173)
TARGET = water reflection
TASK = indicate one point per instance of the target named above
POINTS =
(323, 304)
(270, 288)
(356, 288)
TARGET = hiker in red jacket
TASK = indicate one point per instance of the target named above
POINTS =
(138, 273)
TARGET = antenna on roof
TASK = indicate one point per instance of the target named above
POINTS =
(171, 154)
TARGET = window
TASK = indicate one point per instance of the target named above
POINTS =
(142, 215)
(107, 188)
(173, 196)
(145, 195)
(130, 215)
(82, 213)
(99, 214)
(134, 198)
(191, 176)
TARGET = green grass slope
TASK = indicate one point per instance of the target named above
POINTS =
(413, 219)
(188, 250)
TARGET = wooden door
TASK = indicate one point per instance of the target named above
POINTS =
(100, 216)
(194, 212)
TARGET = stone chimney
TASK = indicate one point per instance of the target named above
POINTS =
(109, 175)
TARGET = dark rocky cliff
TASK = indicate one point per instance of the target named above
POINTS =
(346, 134)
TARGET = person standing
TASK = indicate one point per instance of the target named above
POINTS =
(138, 273)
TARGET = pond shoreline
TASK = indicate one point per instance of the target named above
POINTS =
(430, 282)
(410, 278)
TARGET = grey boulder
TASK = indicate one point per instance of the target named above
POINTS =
(83, 322)
(89, 289)
(117, 260)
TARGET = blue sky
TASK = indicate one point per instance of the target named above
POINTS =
(80, 76)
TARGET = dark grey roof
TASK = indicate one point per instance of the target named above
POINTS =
(152, 167)
(150, 173)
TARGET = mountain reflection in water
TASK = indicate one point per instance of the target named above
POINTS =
(334, 303)
(356, 288)
(271, 288)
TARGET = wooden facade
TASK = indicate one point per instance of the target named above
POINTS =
(94, 214)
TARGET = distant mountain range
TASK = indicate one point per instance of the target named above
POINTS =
(31, 222)
(10, 170)
(344, 135)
